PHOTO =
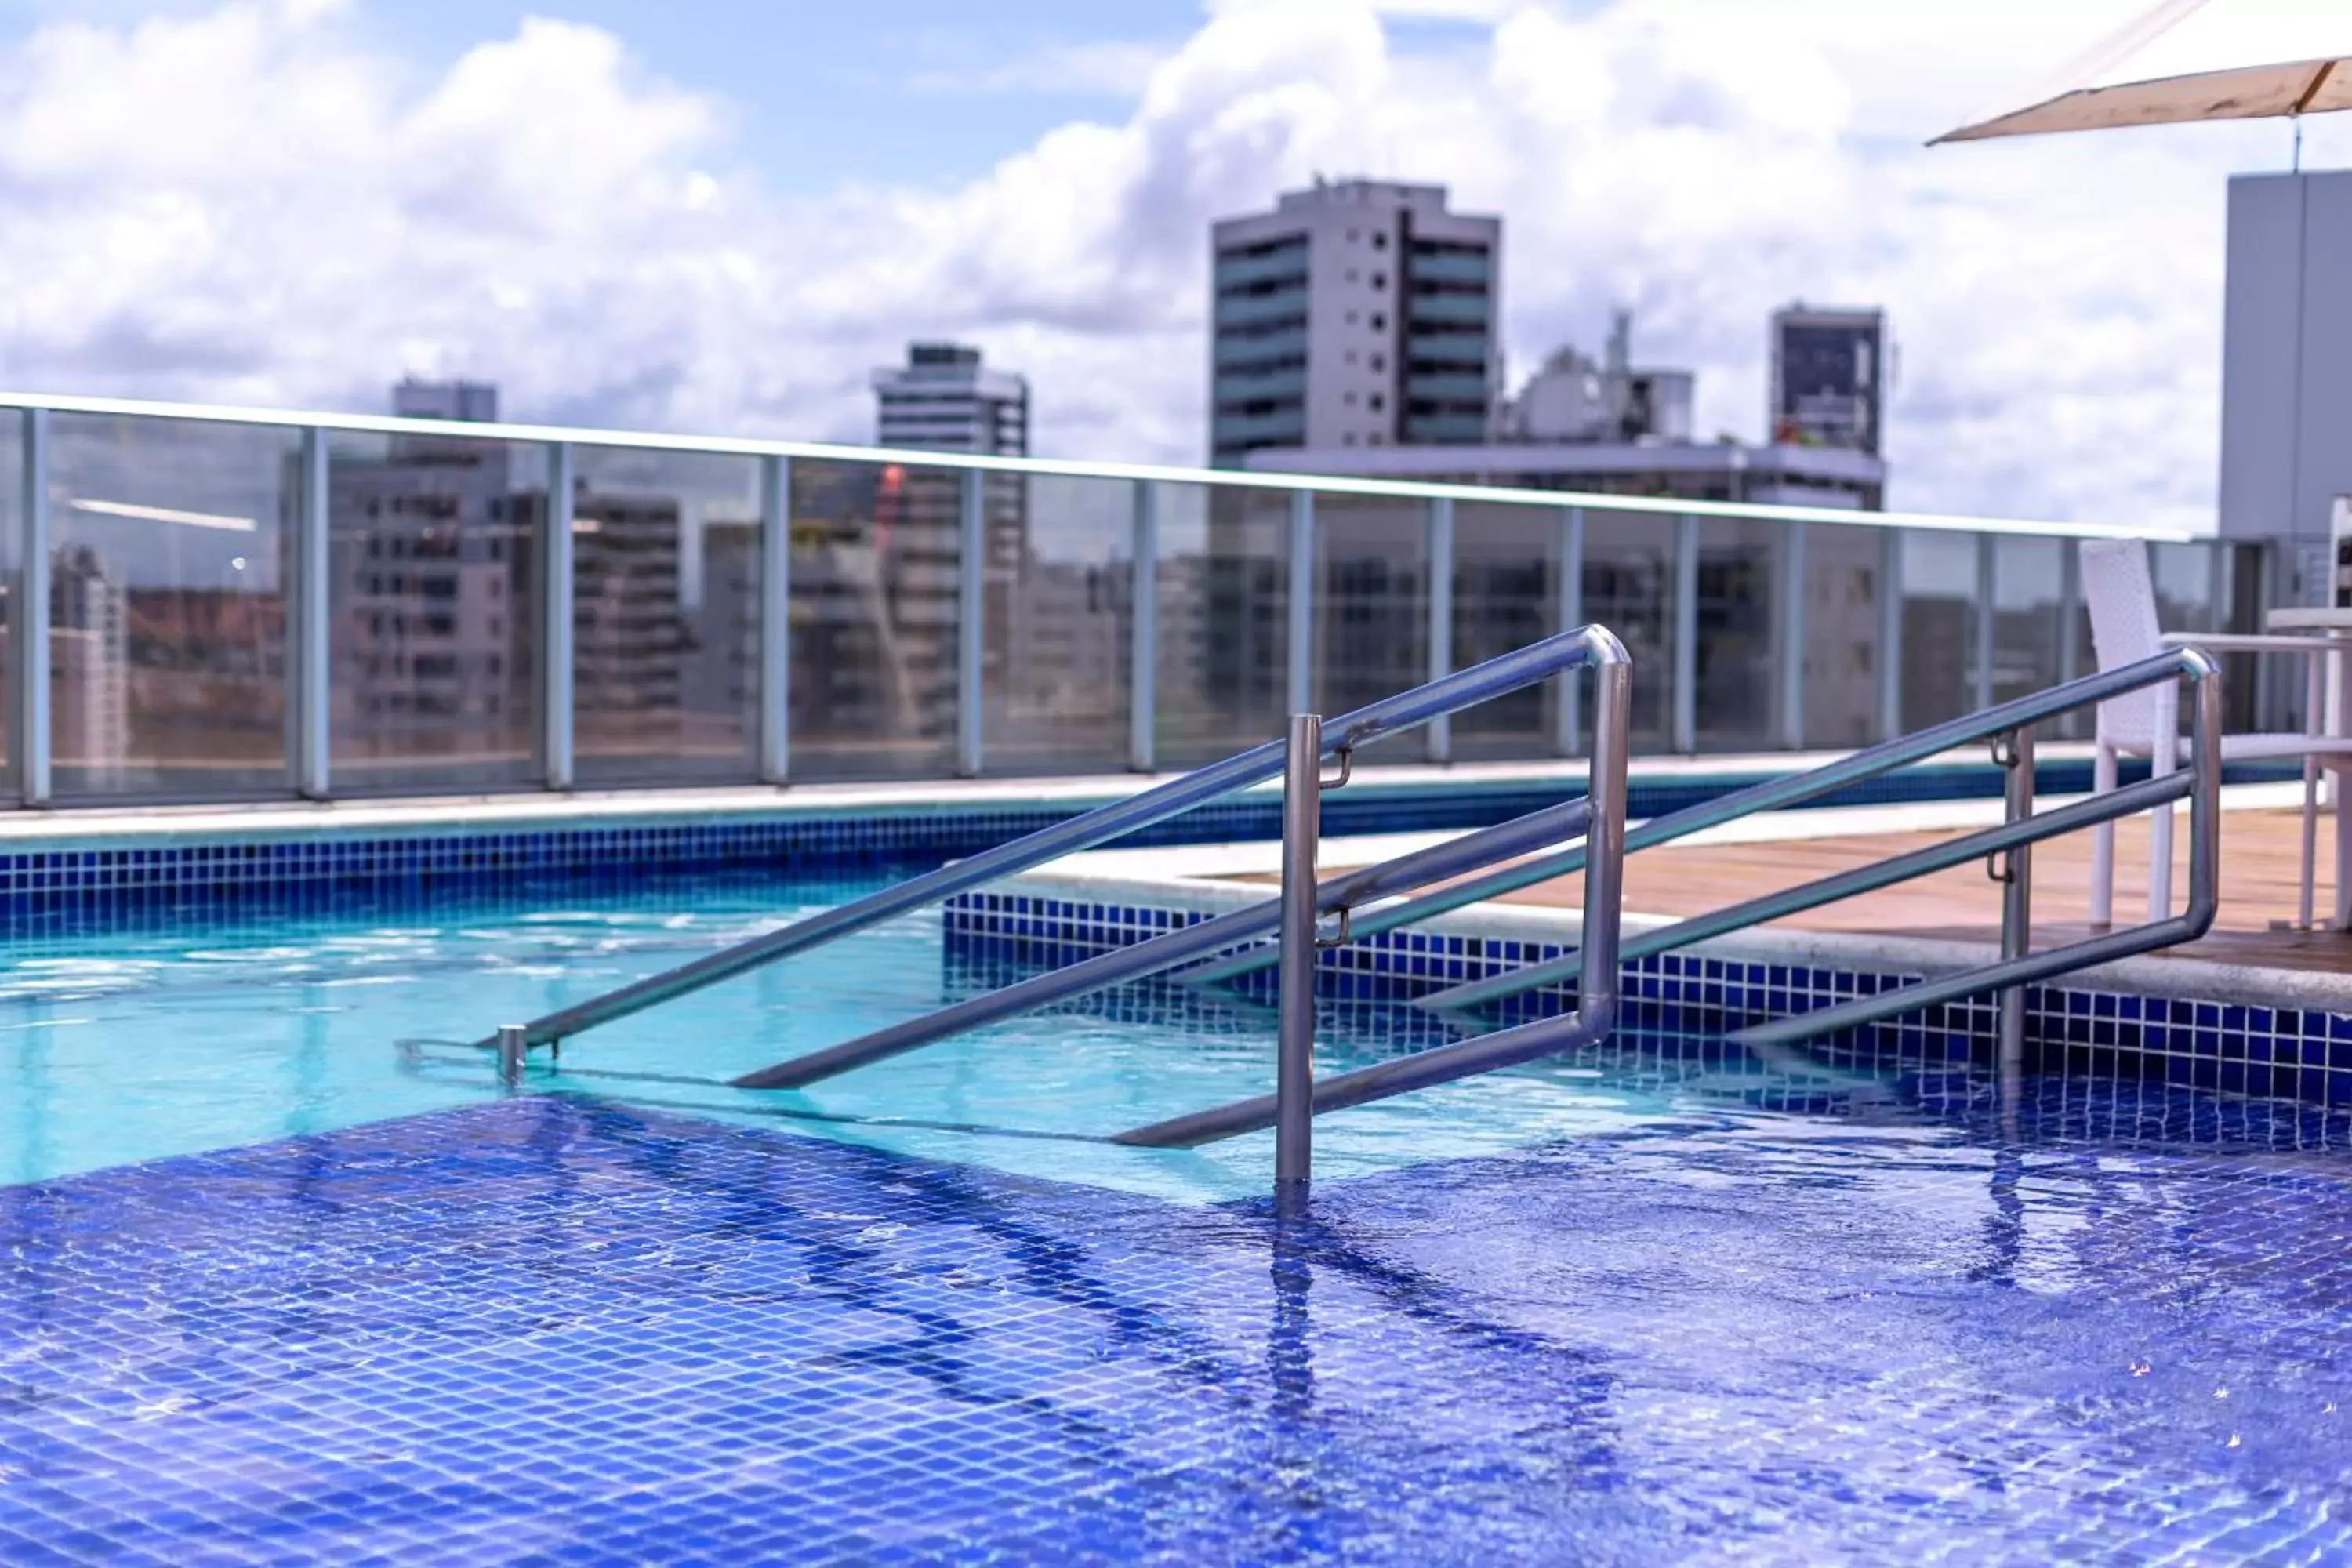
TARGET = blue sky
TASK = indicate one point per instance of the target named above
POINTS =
(722, 214)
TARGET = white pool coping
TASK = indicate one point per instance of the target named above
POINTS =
(1198, 878)
(94, 826)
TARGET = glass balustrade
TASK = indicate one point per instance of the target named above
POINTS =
(461, 608)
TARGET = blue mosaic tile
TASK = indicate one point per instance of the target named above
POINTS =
(548, 1331)
(2068, 1027)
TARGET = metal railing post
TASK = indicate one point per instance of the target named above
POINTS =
(2016, 899)
(308, 596)
(1438, 737)
(775, 620)
(1567, 690)
(1685, 625)
(31, 614)
(556, 628)
(1143, 632)
(514, 1054)
(1988, 622)
(1300, 687)
(971, 636)
(1793, 636)
(1302, 826)
(1890, 635)
(1597, 979)
(2070, 610)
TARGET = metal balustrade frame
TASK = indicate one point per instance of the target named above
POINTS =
(309, 662)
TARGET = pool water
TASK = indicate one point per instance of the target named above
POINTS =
(177, 1042)
(283, 1277)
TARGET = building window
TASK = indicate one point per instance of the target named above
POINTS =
(1376, 403)
(1381, 241)
(1380, 323)
(1379, 362)
(1347, 397)
(1379, 279)
(1352, 318)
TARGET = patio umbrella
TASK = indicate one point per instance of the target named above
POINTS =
(2195, 59)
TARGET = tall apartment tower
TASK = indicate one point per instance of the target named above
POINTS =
(1356, 313)
(1829, 377)
(945, 399)
(2286, 368)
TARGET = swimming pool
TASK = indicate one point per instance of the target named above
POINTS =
(289, 1277)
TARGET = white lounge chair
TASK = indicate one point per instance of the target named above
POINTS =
(2121, 598)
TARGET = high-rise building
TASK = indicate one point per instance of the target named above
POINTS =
(2286, 371)
(944, 399)
(893, 596)
(1356, 313)
(1829, 377)
(474, 401)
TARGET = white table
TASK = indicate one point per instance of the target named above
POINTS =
(2335, 626)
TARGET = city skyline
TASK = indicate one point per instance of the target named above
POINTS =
(626, 230)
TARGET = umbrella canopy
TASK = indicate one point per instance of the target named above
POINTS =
(2194, 59)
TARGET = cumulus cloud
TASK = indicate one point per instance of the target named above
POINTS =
(245, 205)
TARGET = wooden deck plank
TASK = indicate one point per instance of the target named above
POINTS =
(2259, 856)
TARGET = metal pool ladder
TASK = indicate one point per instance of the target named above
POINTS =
(2010, 726)
(1598, 819)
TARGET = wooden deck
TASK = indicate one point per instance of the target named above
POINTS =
(2260, 852)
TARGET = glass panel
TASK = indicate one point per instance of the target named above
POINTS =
(1223, 589)
(874, 554)
(432, 607)
(2190, 590)
(1371, 608)
(665, 615)
(167, 640)
(1629, 587)
(1844, 568)
(1940, 627)
(2028, 626)
(12, 529)
(1740, 562)
(1506, 595)
(1058, 618)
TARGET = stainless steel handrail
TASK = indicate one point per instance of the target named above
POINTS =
(2200, 784)
(1590, 644)
(1773, 795)
(1160, 954)
(1597, 987)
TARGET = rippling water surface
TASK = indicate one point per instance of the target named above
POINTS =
(1658, 1303)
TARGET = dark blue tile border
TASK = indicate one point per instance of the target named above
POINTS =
(2301, 1054)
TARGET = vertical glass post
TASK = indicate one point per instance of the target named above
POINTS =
(1143, 631)
(308, 594)
(1439, 735)
(971, 578)
(2070, 611)
(1988, 622)
(1793, 636)
(1568, 689)
(775, 620)
(556, 627)
(1890, 633)
(31, 630)
(1685, 652)
(1299, 688)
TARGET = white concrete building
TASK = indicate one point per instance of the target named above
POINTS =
(1356, 313)
(945, 399)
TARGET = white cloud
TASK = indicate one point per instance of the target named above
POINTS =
(246, 206)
